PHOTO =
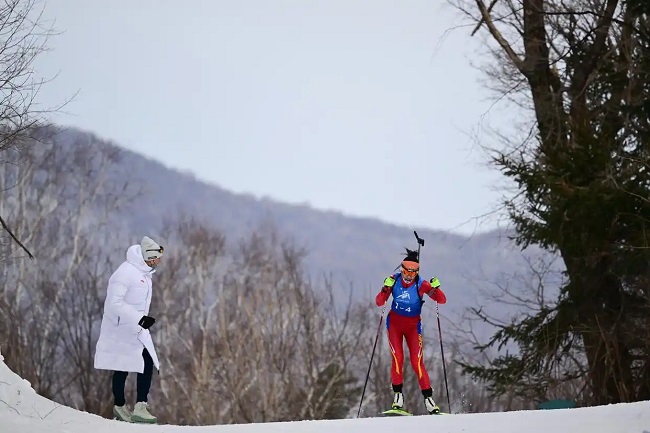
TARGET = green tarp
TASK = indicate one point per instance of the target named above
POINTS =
(557, 404)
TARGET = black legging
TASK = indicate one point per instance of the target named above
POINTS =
(143, 381)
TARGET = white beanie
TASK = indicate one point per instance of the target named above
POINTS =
(150, 249)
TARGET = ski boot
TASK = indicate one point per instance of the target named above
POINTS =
(122, 413)
(431, 406)
(429, 402)
(398, 401)
(398, 398)
(141, 414)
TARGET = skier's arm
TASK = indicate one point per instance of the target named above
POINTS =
(116, 292)
(385, 291)
(433, 291)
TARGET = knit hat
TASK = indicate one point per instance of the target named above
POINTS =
(150, 249)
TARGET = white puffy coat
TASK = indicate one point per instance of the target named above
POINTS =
(128, 297)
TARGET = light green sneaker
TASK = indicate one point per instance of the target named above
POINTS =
(141, 414)
(122, 413)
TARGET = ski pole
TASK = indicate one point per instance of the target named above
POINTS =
(381, 318)
(442, 352)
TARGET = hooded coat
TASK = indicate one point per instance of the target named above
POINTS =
(128, 297)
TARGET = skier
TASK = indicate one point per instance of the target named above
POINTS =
(125, 344)
(403, 322)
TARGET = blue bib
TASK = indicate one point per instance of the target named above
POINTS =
(406, 301)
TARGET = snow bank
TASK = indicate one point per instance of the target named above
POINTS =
(24, 411)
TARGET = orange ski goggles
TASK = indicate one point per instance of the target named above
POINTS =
(410, 269)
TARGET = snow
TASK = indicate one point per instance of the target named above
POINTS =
(24, 411)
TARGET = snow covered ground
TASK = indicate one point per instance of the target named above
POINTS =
(24, 411)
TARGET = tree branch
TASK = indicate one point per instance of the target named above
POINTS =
(496, 34)
(482, 20)
(593, 56)
(8, 230)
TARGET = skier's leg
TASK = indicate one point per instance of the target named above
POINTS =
(119, 381)
(416, 354)
(144, 378)
(395, 342)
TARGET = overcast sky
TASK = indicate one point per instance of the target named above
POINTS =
(366, 107)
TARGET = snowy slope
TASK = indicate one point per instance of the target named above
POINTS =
(24, 411)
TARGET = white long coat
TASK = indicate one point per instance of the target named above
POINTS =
(128, 297)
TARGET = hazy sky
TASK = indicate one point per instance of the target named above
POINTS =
(366, 107)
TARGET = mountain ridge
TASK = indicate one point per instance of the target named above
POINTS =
(357, 251)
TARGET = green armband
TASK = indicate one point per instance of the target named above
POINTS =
(389, 282)
(435, 282)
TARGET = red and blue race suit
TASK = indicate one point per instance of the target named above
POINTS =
(403, 323)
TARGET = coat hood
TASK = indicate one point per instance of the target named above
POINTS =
(134, 256)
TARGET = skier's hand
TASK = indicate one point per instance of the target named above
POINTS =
(382, 296)
(146, 322)
(436, 292)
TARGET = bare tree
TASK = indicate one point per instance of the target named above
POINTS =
(65, 192)
(245, 337)
(23, 36)
(185, 303)
(523, 293)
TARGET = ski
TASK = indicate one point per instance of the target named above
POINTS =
(396, 412)
(401, 412)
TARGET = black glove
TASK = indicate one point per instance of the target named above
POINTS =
(146, 322)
